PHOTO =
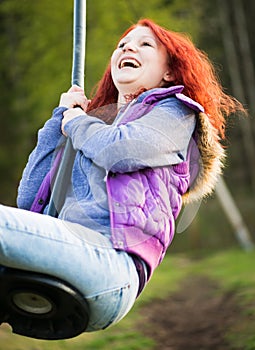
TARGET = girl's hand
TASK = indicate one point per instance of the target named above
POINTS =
(70, 114)
(76, 102)
(74, 97)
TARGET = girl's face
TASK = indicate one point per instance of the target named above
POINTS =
(140, 61)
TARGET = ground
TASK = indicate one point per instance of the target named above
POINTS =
(196, 317)
(200, 315)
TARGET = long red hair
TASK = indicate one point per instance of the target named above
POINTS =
(191, 67)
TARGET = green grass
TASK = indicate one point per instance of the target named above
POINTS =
(232, 269)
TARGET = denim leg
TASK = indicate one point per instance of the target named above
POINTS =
(84, 258)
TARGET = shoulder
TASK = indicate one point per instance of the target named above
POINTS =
(170, 96)
(174, 111)
(172, 103)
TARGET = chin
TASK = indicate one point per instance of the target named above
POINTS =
(127, 87)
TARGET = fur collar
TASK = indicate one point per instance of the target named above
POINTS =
(206, 160)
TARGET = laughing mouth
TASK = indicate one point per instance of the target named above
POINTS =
(129, 62)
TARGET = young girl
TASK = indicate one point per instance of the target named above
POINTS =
(147, 141)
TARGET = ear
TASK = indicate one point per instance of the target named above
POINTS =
(168, 76)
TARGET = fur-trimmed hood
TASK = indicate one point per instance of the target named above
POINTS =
(207, 157)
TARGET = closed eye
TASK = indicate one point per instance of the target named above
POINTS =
(121, 45)
(146, 43)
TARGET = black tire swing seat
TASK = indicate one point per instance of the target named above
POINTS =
(40, 306)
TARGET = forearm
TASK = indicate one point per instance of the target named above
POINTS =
(157, 139)
(40, 160)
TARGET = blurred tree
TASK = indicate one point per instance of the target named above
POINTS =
(36, 39)
(225, 30)
(241, 72)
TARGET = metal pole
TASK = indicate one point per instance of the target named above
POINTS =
(65, 169)
(235, 218)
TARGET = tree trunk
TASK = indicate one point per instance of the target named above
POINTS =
(235, 77)
(234, 215)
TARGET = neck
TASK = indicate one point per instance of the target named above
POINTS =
(124, 99)
(128, 97)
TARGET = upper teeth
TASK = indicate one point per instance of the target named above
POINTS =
(129, 62)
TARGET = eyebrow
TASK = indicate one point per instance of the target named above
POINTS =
(142, 37)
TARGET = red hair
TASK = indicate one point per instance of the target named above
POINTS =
(191, 67)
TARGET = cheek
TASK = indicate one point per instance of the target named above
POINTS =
(112, 62)
(162, 68)
(114, 58)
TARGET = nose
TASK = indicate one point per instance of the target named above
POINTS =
(129, 46)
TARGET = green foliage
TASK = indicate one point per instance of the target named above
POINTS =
(35, 65)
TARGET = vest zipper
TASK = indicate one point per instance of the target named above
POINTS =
(123, 115)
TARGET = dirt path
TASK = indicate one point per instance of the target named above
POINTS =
(194, 318)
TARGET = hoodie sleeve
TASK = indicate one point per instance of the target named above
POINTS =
(159, 138)
(40, 160)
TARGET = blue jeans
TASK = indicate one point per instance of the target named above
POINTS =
(86, 259)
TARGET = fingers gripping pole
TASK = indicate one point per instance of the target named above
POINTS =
(65, 169)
